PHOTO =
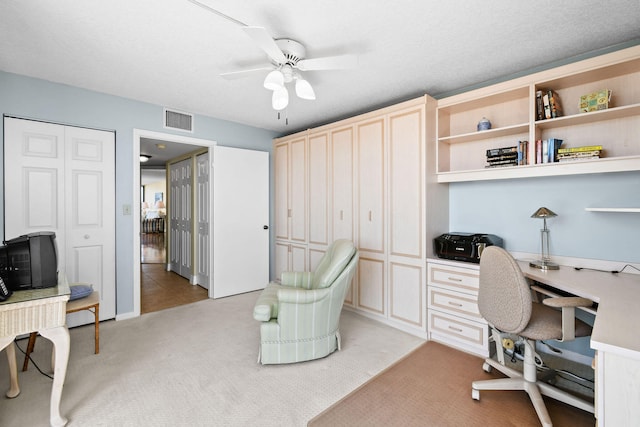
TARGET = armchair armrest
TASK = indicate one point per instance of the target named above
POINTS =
(302, 296)
(568, 306)
(297, 279)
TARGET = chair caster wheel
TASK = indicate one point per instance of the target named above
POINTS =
(475, 394)
(486, 367)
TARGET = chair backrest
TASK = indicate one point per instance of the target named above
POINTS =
(332, 263)
(504, 298)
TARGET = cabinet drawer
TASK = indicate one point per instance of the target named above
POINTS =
(455, 303)
(459, 332)
(458, 279)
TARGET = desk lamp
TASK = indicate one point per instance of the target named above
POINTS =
(545, 262)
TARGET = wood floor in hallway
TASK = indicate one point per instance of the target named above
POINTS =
(161, 289)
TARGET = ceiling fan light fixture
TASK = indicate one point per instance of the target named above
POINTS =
(304, 89)
(280, 99)
(274, 80)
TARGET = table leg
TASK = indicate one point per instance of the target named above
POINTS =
(59, 336)
(14, 388)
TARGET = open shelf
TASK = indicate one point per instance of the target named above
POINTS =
(511, 108)
(636, 210)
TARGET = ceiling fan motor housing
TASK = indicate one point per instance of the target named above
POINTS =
(292, 50)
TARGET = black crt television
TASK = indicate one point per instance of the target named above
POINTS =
(30, 261)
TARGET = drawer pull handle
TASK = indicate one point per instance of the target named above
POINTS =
(454, 279)
(455, 329)
(455, 304)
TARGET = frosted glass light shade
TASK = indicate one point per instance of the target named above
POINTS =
(280, 99)
(274, 80)
(304, 90)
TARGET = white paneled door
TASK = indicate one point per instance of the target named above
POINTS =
(203, 210)
(240, 221)
(180, 218)
(62, 179)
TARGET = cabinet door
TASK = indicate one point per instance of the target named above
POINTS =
(406, 183)
(289, 257)
(342, 183)
(281, 161)
(371, 290)
(318, 189)
(370, 156)
(406, 295)
(297, 190)
(298, 258)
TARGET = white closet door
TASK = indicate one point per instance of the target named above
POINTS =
(62, 179)
(240, 221)
(203, 205)
(342, 183)
(180, 250)
(371, 186)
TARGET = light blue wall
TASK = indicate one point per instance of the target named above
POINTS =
(504, 208)
(38, 99)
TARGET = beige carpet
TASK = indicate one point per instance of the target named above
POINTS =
(432, 387)
(195, 365)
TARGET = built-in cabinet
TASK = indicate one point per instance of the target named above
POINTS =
(453, 315)
(290, 157)
(366, 181)
(511, 108)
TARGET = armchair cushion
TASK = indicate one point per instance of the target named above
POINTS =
(332, 264)
(297, 279)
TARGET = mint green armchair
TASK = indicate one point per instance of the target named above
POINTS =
(300, 315)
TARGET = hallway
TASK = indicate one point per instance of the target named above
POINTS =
(161, 289)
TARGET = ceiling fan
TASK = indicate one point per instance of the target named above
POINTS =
(288, 60)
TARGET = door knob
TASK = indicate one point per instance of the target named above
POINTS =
(265, 227)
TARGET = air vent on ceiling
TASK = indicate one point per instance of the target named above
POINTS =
(178, 120)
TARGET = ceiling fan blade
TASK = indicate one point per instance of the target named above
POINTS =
(232, 75)
(340, 62)
(265, 42)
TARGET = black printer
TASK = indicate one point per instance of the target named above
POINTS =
(464, 246)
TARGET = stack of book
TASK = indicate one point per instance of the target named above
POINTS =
(586, 152)
(547, 105)
(504, 156)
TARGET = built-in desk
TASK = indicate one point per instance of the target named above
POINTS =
(615, 336)
(44, 311)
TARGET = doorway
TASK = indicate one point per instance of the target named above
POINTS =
(157, 274)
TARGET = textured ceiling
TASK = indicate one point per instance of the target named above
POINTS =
(172, 52)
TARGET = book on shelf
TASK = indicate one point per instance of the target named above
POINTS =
(547, 150)
(523, 153)
(554, 101)
(509, 162)
(582, 148)
(594, 101)
(539, 106)
(577, 159)
(510, 156)
(546, 105)
(551, 106)
(579, 155)
(492, 152)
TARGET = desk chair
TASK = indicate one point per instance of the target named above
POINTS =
(505, 301)
(90, 303)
